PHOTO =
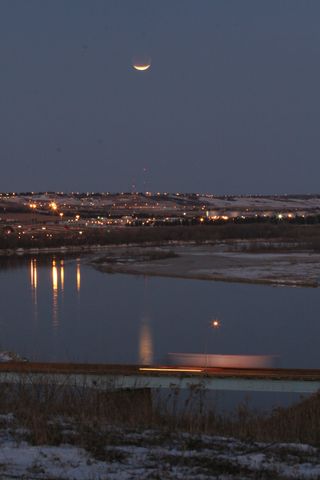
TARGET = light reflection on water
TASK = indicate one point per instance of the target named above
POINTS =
(78, 276)
(145, 339)
(55, 293)
(60, 309)
(62, 274)
(145, 344)
(34, 280)
(34, 285)
(57, 286)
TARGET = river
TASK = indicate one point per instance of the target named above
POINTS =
(62, 309)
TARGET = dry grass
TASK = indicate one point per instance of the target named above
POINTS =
(51, 414)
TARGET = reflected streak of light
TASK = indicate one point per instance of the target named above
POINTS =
(34, 283)
(31, 272)
(62, 274)
(222, 361)
(145, 345)
(149, 369)
(55, 320)
(78, 277)
(54, 277)
(35, 275)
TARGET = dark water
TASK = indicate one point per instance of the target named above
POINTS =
(64, 310)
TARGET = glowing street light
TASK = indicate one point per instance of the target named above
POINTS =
(215, 323)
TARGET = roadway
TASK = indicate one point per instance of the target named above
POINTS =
(104, 376)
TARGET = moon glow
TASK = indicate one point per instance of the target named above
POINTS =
(140, 67)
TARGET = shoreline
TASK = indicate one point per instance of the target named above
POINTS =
(209, 261)
(20, 252)
(213, 278)
(218, 263)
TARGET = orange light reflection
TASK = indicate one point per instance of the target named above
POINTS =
(55, 320)
(33, 273)
(54, 276)
(145, 345)
(62, 274)
(78, 276)
(34, 282)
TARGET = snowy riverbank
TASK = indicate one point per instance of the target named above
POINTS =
(221, 262)
(151, 454)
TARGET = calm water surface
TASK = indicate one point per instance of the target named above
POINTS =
(64, 310)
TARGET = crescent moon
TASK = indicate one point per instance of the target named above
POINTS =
(142, 68)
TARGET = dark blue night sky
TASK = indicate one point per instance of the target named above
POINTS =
(230, 104)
